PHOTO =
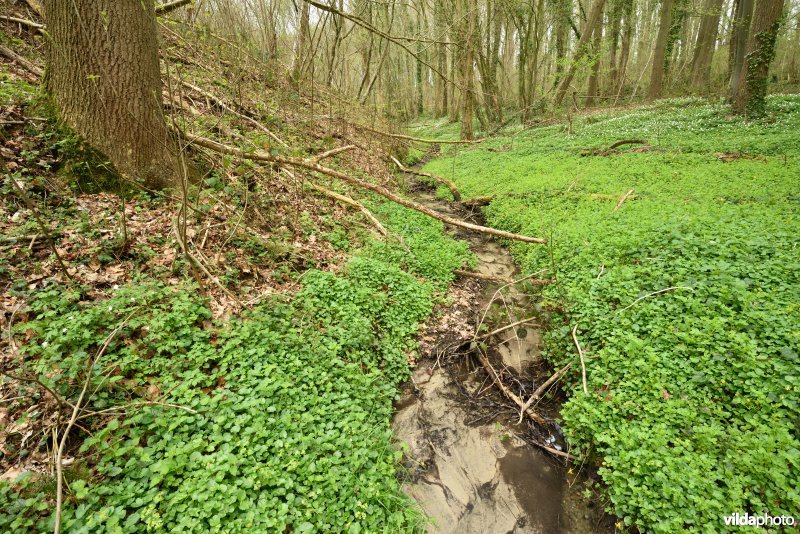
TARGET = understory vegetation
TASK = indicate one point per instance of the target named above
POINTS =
(685, 292)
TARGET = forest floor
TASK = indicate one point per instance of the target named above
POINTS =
(241, 378)
(677, 261)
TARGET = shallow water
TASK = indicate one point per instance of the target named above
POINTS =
(469, 468)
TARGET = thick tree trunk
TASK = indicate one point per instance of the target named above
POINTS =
(103, 74)
(592, 88)
(299, 59)
(738, 43)
(592, 21)
(705, 44)
(752, 89)
(659, 54)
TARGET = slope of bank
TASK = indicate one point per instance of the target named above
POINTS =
(677, 261)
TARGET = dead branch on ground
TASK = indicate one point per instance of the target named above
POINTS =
(449, 183)
(380, 190)
(622, 200)
(24, 63)
(349, 201)
(627, 142)
(541, 389)
(583, 363)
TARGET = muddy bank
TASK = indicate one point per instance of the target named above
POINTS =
(469, 462)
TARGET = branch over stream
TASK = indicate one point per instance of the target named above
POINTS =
(310, 164)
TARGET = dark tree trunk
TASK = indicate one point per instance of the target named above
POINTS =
(103, 74)
(705, 44)
(752, 89)
(592, 21)
(738, 43)
(659, 54)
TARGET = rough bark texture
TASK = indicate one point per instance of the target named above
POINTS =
(469, 72)
(738, 43)
(103, 74)
(752, 90)
(705, 44)
(659, 54)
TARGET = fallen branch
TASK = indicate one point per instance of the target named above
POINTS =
(225, 107)
(24, 22)
(627, 142)
(580, 353)
(622, 200)
(541, 389)
(476, 202)
(507, 392)
(163, 9)
(347, 200)
(380, 190)
(416, 139)
(503, 329)
(332, 152)
(35, 6)
(449, 183)
(656, 293)
(24, 63)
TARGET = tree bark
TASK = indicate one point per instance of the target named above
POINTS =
(738, 43)
(103, 74)
(469, 73)
(592, 21)
(705, 44)
(659, 54)
(752, 90)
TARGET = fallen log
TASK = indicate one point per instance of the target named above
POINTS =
(380, 190)
(450, 185)
(24, 63)
(627, 142)
(477, 202)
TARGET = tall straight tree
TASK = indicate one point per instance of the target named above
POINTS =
(468, 79)
(660, 51)
(705, 44)
(743, 12)
(752, 87)
(103, 74)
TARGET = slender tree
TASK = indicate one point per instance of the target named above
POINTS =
(738, 43)
(705, 45)
(592, 20)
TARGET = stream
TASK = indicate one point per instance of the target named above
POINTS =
(469, 463)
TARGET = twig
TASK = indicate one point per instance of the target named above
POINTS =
(622, 200)
(541, 389)
(24, 22)
(655, 293)
(503, 329)
(382, 191)
(580, 353)
(507, 392)
(349, 201)
(74, 417)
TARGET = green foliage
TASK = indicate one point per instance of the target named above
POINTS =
(693, 408)
(293, 400)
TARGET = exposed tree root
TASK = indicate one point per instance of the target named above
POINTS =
(380, 190)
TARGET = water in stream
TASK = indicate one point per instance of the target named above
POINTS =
(469, 470)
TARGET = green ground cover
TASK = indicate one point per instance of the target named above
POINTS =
(692, 410)
(293, 399)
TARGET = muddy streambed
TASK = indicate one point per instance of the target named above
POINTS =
(469, 462)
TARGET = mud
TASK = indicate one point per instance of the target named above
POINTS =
(468, 463)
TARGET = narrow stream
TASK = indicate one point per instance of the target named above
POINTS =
(468, 463)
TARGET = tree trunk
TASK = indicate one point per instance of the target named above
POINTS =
(752, 90)
(300, 45)
(103, 74)
(738, 43)
(469, 74)
(625, 52)
(705, 44)
(659, 53)
(592, 21)
(591, 90)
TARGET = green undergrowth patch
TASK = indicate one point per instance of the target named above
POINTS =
(686, 298)
(287, 419)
